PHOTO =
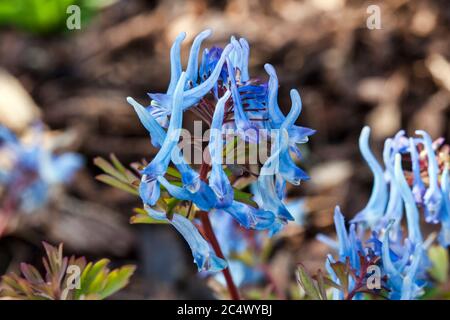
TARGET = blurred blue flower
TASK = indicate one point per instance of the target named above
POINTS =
(415, 180)
(31, 170)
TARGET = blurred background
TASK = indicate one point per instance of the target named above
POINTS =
(76, 81)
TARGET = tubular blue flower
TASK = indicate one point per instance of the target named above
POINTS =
(394, 209)
(374, 209)
(175, 62)
(267, 190)
(250, 217)
(245, 128)
(204, 256)
(190, 178)
(412, 213)
(403, 281)
(158, 166)
(245, 56)
(32, 170)
(192, 67)
(218, 180)
(297, 134)
(149, 187)
(287, 167)
(204, 198)
(219, 90)
(433, 197)
(404, 259)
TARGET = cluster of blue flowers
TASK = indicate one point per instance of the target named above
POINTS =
(220, 91)
(28, 171)
(415, 179)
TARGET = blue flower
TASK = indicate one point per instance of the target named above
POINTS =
(374, 209)
(219, 90)
(204, 256)
(32, 170)
(433, 197)
(397, 190)
(218, 180)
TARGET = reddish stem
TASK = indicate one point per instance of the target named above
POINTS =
(209, 232)
(207, 227)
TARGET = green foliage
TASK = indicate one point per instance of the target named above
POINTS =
(315, 287)
(439, 258)
(45, 16)
(440, 288)
(117, 176)
(95, 281)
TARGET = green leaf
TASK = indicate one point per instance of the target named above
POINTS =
(321, 285)
(109, 169)
(173, 172)
(143, 217)
(88, 280)
(131, 177)
(109, 180)
(342, 271)
(116, 280)
(307, 283)
(244, 197)
(439, 258)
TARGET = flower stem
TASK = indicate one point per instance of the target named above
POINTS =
(206, 222)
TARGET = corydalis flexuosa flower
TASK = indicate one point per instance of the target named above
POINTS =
(29, 171)
(414, 181)
(219, 91)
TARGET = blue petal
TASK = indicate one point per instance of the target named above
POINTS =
(204, 198)
(412, 213)
(243, 125)
(204, 256)
(158, 166)
(374, 209)
(202, 89)
(190, 177)
(149, 190)
(276, 116)
(394, 210)
(433, 197)
(267, 190)
(250, 217)
(175, 62)
(245, 56)
(341, 231)
(288, 168)
(410, 290)
(218, 180)
(394, 276)
(192, 67)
